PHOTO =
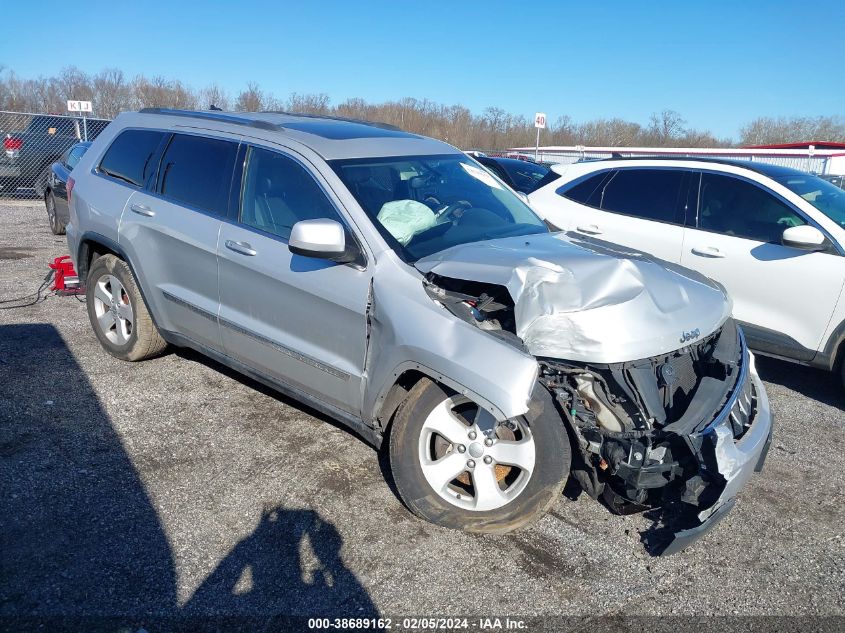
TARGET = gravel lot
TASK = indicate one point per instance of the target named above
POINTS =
(176, 486)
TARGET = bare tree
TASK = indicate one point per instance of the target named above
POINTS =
(213, 95)
(769, 130)
(665, 127)
(251, 100)
(309, 104)
(112, 94)
(493, 129)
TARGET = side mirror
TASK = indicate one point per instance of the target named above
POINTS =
(805, 237)
(322, 239)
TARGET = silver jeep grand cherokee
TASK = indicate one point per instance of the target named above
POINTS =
(391, 282)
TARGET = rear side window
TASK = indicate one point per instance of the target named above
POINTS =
(75, 154)
(497, 169)
(196, 170)
(587, 191)
(526, 176)
(738, 208)
(130, 156)
(551, 176)
(651, 194)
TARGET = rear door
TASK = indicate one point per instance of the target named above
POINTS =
(784, 295)
(298, 320)
(639, 207)
(170, 232)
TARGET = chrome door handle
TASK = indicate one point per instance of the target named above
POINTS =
(141, 209)
(244, 248)
(708, 251)
(589, 229)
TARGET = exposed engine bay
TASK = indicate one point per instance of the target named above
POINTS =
(641, 430)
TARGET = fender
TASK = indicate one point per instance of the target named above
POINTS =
(409, 331)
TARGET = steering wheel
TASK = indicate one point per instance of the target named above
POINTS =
(449, 211)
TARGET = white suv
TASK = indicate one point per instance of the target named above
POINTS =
(773, 236)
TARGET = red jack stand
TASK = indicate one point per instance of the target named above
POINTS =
(66, 281)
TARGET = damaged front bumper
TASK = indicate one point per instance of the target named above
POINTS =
(687, 468)
(733, 460)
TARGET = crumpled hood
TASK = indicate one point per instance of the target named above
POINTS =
(590, 301)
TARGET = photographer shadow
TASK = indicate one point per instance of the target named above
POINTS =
(289, 565)
(82, 544)
(79, 533)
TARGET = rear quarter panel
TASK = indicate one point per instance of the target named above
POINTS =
(97, 202)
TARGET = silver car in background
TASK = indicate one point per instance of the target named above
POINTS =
(391, 282)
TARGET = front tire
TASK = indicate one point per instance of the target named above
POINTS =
(455, 466)
(118, 313)
(842, 372)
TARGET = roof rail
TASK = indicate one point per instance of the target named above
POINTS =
(378, 124)
(759, 167)
(223, 117)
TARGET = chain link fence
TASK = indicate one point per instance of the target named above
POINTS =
(33, 142)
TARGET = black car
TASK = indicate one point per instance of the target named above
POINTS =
(839, 181)
(55, 191)
(28, 153)
(520, 175)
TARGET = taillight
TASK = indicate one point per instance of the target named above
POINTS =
(70, 183)
(12, 143)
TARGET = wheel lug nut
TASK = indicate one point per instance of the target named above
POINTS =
(488, 442)
(461, 448)
(472, 435)
(488, 460)
(471, 464)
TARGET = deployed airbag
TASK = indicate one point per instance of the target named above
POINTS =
(405, 218)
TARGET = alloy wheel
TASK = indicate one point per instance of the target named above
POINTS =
(471, 460)
(115, 316)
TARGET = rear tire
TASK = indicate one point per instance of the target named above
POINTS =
(517, 472)
(118, 314)
(56, 225)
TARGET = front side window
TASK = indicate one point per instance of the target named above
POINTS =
(130, 156)
(825, 195)
(278, 192)
(424, 204)
(196, 170)
(739, 208)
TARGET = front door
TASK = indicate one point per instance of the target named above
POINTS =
(784, 295)
(298, 320)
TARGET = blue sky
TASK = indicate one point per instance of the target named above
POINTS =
(720, 64)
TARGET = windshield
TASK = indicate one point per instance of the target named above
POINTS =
(425, 204)
(825, 196)
(525, 175)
